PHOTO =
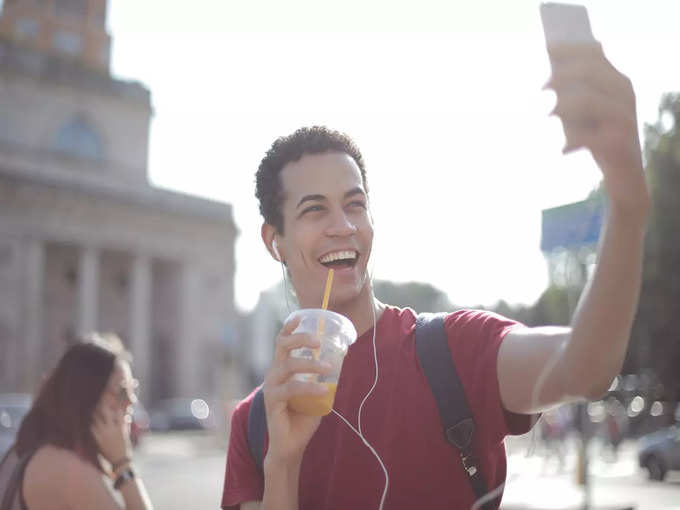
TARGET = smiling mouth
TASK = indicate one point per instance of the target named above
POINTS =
(340, 259)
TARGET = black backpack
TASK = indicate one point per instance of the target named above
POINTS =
(434, 355)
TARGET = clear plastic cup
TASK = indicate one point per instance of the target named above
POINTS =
(336, 333)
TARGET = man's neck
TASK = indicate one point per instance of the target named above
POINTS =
(360, 310)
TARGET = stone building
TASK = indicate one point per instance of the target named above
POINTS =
(86, 243)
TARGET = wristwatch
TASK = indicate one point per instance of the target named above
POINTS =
(124, 476)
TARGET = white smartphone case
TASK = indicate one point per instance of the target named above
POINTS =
(566, 24)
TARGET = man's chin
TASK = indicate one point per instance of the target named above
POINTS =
(344, 291)
(350, 296)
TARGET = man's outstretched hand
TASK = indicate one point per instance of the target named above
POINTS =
(596, 104)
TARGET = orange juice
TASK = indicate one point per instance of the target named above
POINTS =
(315, 405)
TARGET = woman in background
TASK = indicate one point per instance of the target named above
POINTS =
(77, 433)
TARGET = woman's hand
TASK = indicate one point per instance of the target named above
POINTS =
(111, 431)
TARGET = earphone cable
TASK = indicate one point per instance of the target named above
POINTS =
(359, 432)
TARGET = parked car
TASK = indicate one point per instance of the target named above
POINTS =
(181, 414)
(13, 408)
(140, 423)
(659, 452)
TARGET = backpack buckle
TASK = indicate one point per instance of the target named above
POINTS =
(460, 435)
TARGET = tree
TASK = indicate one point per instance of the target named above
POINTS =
(655, 344)
(422, 297)
(551, 309)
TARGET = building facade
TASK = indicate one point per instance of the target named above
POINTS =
(86, 243)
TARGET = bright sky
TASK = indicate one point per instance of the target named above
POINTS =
(444, 99)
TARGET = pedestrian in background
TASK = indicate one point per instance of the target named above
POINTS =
(76, 435)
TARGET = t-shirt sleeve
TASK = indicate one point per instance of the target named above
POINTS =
(242, 479)
(474, 339)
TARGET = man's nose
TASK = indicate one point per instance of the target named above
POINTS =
(341, 225)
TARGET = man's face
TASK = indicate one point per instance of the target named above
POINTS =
(326, 224)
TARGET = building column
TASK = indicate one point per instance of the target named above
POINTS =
(140, 323)
(88, 290)
(34, 277)
(187, 353)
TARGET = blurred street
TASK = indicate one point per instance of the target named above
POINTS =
(182, 470)
(185, 470)
(536, 482)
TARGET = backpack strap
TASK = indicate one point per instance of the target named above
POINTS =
(257, 427)
(433, 352)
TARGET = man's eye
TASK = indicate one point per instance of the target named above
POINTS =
(313, 208)
(357, 203)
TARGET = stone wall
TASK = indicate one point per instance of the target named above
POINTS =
(189, 305)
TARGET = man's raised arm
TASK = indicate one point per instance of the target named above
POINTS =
(541, 367)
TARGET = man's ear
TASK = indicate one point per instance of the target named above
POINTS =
(268, 233)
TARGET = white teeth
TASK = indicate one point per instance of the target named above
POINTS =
(338, 255)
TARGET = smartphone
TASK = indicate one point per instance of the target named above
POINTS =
(566, 24)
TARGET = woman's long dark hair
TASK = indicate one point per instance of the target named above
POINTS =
(63, 411)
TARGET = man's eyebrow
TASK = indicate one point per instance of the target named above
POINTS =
(354, 191)
(307, 198)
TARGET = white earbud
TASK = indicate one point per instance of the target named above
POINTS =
(275, 249)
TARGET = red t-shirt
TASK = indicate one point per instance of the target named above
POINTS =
(400, 420)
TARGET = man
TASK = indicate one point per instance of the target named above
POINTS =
(314, 199)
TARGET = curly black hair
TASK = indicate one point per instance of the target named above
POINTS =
(288, 149)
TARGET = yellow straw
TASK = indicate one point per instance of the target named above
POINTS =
(324, 306)
(327, 292)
